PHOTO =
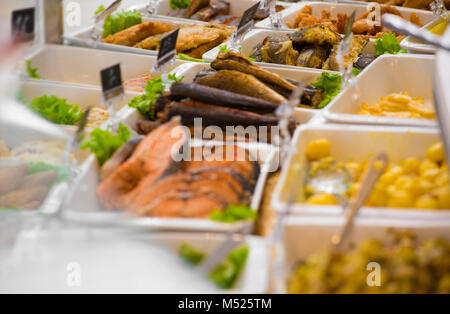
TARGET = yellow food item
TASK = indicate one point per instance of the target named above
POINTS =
(439, 29)
(318, 149)
(4, 150)
(321, 199)
(411, 183)
(436, 152)
(399, 105)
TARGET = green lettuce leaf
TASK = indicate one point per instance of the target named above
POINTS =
(100, 9)
(234, 213)
(56, 110)
(145, 103)
(103, 144)
(120, 21)
(227, 272)
(191, 255)
(179, 4)
(356, 71)
(32, 72)
(388, 44)
(185, 57)
(330, 84)
(36, 167)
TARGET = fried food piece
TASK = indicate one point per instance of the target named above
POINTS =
(315, 35)
(415, 19)
(241, 83)
(12, 177)
(4, 150)
(135, 34)
(24, 196)
(358, 44)
(196, 5)
(45, 178)
(312, 57)
(194, 36)
(278, 49)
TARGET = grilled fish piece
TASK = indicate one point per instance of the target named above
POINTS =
(137, 33)
(278, 49)
(220, 97)
(358, 44)
(315, 35)
(238, 62)
(225, 19)
(188, 110)
(241, 83)
(312, 57)
(119, 157)
(215, 7)
(150, 43)
(196, 5)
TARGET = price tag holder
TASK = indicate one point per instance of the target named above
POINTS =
(245, 25)
(23, 24)
(111, 79)
(167, 52)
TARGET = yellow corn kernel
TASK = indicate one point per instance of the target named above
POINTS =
(426, 165)
(443, 196)
(411, 166)
(426, 202)
(404, 182)
(321, 199)
(378, 197)
(436, 152)
(400, 199)
(442, 179)
(391, 175)
(430, 174)
(318, 149)
(354, 188)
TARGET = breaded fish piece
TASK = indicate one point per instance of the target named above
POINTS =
(137, 33)
(12, 177)
(193, 36)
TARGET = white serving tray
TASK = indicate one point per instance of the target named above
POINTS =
(83, 38)
(299, 244)
(289, 15)
(414, 46)
(56, 63)
(141, 263)
(387, 74)
(359, 143)
(84, 206)
(257, 36)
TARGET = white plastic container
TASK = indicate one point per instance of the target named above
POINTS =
(299, 244)
(387, 74)
(117, 261)
(83, 96)
(415, 46)
(256, 37)
(84, 206)
(289, 15)
(360, 143)
(82, 66)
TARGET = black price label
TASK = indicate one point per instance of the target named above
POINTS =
(168, 44)
(112, 81)
(22, 24)
(248, 15)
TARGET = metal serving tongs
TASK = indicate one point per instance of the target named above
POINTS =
(403, 27)
(96, 33)
(376, 168)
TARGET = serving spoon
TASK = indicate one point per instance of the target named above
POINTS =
(401, 26)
